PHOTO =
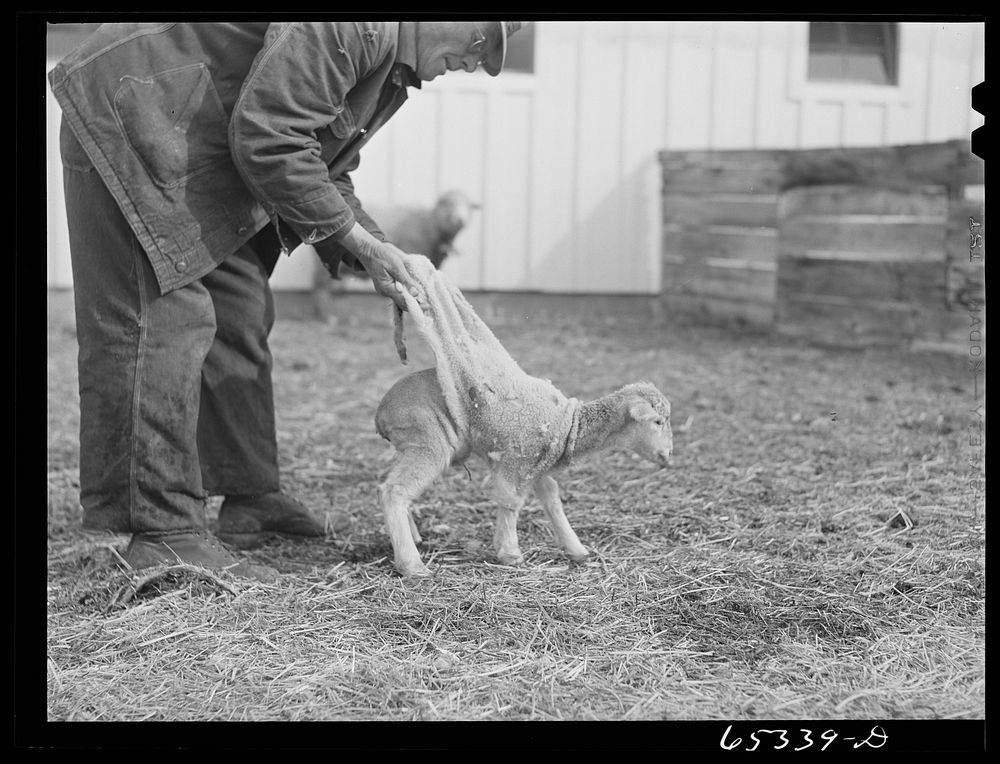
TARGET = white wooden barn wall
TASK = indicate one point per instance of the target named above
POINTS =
(564, 160)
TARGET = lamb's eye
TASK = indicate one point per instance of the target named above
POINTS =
(659, 421)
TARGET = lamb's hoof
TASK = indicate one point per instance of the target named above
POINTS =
(511, 559)
(413, 571)
(579, 556)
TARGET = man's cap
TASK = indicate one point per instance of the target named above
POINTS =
(496, 44)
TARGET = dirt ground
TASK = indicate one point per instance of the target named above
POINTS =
(816, 550)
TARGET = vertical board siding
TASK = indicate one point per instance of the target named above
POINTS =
(507, 196)
(864, 124)
(463, 134)
(642, 132)
(776, 114)
(822, 124)
(553, 235)
(689, 86)
(905, 122)
(415, 143)
(949, 86)
(599, 125)
(735, 85)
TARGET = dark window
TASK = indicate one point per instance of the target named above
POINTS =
(846, 51)
(521, 51)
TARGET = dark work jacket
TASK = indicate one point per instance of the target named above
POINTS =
(204, 133)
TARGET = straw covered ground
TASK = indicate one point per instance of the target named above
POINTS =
(815, 552)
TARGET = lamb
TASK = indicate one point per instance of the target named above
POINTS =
(478, 401)
(424, 231)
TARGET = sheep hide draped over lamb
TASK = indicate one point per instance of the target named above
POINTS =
(524, 424)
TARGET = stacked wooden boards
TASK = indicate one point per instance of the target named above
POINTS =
(720, 232)
(841, 246)
(860, 265)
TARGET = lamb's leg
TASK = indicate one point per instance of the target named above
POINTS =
(414, 532)
(411, 473)
(505, 532)
(547, 491)
(505, 536)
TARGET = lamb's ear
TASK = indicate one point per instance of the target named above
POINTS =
(641, 411)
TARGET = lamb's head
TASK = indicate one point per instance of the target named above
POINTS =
(647, 423)
(453, 212)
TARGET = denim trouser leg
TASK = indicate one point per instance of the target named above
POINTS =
(164, 376)
(236, 431)
(140, 360)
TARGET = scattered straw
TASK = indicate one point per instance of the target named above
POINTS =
(168, 575)
(786, 566)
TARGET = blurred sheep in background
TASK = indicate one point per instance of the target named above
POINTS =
(426, 231)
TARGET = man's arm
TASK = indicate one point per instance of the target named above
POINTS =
(333, 252)
(365, 246)
(298, 85)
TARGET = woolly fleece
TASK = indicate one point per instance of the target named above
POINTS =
(521, 424)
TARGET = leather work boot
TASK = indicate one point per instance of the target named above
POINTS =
(248, 521)
(193, 547)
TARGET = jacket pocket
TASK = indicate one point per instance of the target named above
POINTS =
(174, 122)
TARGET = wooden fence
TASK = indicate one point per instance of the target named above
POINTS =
(842, 246)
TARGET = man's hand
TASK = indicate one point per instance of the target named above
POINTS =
(387, 265)
(391, 269)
